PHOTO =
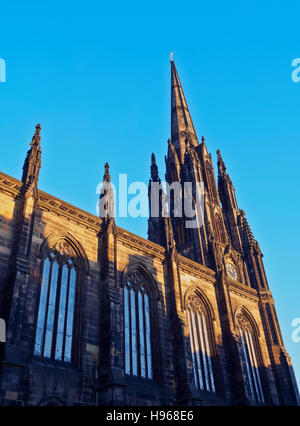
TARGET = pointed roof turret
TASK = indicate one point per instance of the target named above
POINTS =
(221, 167)
(32, 163)
(247, 233)
(154, 169)
(106, 199)
(36, 140)
(106, 176)
(182, 128)
(225, 186)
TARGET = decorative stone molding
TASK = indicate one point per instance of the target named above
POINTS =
(197, 270)
(50, 203)
(244, 319)
(140, 244)
(195, 304)
(135, 277)
(10, 185)
(243, 291)
(64, 249)
(243, 322)
(195, 292)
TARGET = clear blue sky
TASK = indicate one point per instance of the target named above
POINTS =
(96, 75)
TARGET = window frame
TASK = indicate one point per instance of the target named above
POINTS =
(195, 304)
(150, 289)
(250, 358)
(62, 257)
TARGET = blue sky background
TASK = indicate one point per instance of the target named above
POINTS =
(97, 77)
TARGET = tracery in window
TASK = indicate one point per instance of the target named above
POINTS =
(249, 359)
(200, 338)
(54, 331)
(137, 327)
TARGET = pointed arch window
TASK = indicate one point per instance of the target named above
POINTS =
(200, 340)
(249, 359)
(54, 330)
(137, 327)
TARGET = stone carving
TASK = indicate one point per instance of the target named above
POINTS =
(64, 249)
(195, 304)
(135, 277)
(243, 322)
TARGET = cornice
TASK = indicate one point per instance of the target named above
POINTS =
(242, 290)
(47, 202)
(265, 294)
(194, 268)
(10, 185)
(50, 203)
(141, 244)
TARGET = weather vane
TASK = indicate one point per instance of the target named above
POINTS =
(171, 55)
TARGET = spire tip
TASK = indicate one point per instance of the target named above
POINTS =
(106, 177)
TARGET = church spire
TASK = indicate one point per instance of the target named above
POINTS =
(182, 128)
(32, 163)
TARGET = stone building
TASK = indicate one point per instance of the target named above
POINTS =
(96, 315)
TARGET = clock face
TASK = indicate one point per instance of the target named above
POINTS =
(231, 271)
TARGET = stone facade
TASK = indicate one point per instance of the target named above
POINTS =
(185, 273)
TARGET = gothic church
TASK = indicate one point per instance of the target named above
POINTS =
(96, 315)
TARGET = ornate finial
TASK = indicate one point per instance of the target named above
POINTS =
(36, 137)
(32, 163)
(248, 235)
(222, 167)
(106, 202)
(220, 160)
(106, 177)
(154, 169)
(203, 139)
(171, 56)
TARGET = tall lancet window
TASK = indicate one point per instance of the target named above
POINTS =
(54, 330)
(200, 340)
(137, 327)
(249, 359)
